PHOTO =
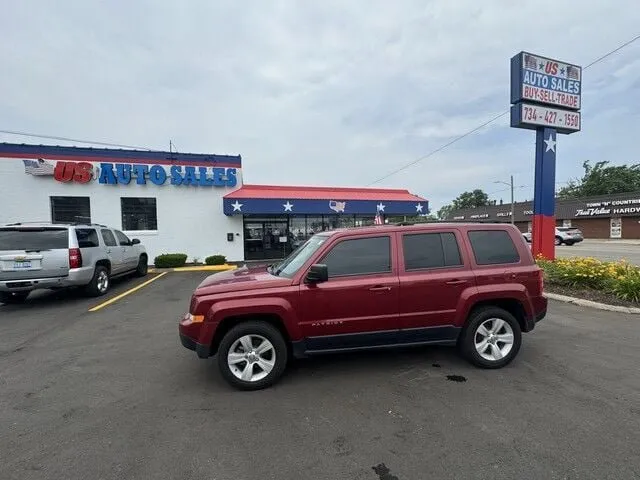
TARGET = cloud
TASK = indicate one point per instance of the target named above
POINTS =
(333, 93)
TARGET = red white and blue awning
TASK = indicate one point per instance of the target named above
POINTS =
(270, 200)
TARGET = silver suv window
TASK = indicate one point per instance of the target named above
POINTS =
(87, 237)
(36, 239)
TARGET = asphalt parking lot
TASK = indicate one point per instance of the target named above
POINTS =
(111, 394)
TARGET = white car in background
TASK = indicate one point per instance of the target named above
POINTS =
(566, 235)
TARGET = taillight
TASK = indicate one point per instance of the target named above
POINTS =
(75, 258)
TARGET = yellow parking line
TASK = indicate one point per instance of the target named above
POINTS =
(128, 292)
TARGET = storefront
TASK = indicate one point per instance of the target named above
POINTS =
(608, 216)
(276, 219)
(176, 202)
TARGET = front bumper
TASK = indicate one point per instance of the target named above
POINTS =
(203, 351)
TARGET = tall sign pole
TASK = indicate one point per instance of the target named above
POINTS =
(546, 97)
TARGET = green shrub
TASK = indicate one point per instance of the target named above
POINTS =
(215, 260)
(170, 260)
(619, 278)
(627, 287)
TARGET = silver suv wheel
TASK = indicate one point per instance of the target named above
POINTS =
(102, 282)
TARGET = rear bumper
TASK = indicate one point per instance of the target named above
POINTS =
(76, 277)
(539, 312)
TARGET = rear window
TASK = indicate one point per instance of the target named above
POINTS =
(87, 238)
(34, 239)
(430, 250)
(493, 247)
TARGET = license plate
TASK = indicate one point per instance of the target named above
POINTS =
(21, 265)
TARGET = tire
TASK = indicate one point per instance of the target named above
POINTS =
(260, 334)
(558, 241)
(143, 266)
(472, 338)
(13, 298)
(100, 282)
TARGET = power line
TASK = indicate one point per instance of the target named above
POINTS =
(493, 119)
(73, 140)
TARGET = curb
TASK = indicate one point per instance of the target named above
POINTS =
(198, 268)
(588, 303)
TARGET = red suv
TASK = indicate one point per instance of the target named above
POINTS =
(473, 285)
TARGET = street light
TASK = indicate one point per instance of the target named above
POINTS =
(510, 184)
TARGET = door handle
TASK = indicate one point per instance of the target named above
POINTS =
(456, 282)
(380, 288)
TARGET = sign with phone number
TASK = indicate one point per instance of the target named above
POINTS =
(527, 115)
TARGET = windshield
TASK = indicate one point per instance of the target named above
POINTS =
(298, 257)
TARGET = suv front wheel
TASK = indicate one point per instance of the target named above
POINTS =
(491, 338)
(252, 356)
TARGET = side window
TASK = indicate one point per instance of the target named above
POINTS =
(123, 240)
(359, 257)
(87, 238)
(109, 239)
(493, 247)
(430, 250)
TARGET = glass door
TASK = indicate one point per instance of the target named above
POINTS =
(266, 239)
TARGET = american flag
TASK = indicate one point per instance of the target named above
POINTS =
(37, 167)
(530, 62)
(573, 72)
(378, 219)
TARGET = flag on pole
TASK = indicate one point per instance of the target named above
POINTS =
(378, 219)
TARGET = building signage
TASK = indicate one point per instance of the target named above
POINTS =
(479, 215)
(545, 81)
(140, 174)
(620, 207)
(529, 115)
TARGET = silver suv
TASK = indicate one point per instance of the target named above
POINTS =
(44, 255)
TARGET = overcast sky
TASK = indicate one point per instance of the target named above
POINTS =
(325, 92)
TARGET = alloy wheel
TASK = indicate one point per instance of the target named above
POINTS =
(251, 358)
(494, 339)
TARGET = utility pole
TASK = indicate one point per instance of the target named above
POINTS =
(510, 184)
(512, 206)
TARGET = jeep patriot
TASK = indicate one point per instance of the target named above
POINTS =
(471, 285)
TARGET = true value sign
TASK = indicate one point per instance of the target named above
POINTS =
(546, 95)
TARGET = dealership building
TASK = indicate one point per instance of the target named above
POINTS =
(606, 216)
(181, 202)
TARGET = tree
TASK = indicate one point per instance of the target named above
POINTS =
(476, 198)
(473, 199)
(603, 179)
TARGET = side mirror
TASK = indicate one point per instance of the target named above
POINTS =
(135, 241)
(318, 273)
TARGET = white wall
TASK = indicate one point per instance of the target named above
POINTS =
(190, 219)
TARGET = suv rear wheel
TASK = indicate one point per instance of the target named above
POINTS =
(13, 297)
(491, 338)
(252, 356)
(100, 282)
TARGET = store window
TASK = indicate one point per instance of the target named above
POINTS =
(139, 213)
(70, 209)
